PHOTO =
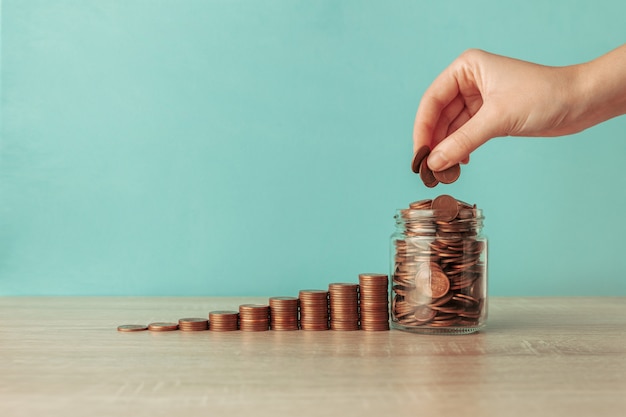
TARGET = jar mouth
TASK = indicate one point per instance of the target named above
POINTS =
(426, 215)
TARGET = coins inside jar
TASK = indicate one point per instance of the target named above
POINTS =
(439, 266)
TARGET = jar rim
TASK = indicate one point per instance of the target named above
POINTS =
(422, 214)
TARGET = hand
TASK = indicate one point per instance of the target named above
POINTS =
(481, 96)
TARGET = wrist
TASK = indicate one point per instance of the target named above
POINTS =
(601, 86)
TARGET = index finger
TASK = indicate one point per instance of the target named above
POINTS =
(443, 90)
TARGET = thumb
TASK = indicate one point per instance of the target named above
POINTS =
(481, 127)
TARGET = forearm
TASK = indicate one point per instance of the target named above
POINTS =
(603, 87)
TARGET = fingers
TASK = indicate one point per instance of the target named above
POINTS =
(465, 138)
(441, 94)
(448, 115)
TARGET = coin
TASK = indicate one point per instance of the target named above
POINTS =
(424, 314)
(131, 328)
(427, 176)
(446, 207)
(449, 175)
(419, 156)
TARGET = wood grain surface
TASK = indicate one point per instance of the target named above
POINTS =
(537, 356)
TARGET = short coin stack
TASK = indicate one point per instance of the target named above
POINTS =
(254, 317)
(440, 272)
(314, 310)
(193, 324)
(223, 321)
(162, 327)
(374, 302)
(344, 306)
(284, 313)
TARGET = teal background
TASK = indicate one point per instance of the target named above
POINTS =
(261, 147)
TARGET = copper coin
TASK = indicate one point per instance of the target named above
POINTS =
(193, 321)
(439, 283)
(419, 156)
(448, 176)
(253, 307)
(132, 328)
(446, 207)
(420, 205)
(427, 176)
(162, 326)
(286, 299)
(424, 314)
(372, 278)
(223, 314)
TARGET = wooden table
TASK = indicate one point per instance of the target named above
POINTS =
(538, 356)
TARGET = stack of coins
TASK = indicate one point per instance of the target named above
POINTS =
(223, 321)
(193, 324)
(284, 313)
(162, 327)
(313, 310)
(254, 317)
(344, 306)
(439, 273)
(374, 302)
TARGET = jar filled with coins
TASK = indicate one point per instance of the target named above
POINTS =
(439, 268)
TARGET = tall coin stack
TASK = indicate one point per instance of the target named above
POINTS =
(344, 306)
(254, 317)
(284, 313)
(374, 302)
(313, 310)
(223, 321)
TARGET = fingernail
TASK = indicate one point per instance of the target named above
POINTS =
(437, 161)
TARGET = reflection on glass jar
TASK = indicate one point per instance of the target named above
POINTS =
(439, 268)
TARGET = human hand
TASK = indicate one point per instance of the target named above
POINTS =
(481, 96)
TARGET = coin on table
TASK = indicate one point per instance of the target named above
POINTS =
(449, 175)
(132, 328)
(419, 157)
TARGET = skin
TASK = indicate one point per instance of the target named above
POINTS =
(481, 96)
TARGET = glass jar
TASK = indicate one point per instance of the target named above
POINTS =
(439, 268)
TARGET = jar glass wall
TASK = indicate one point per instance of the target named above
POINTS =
(439, 268)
